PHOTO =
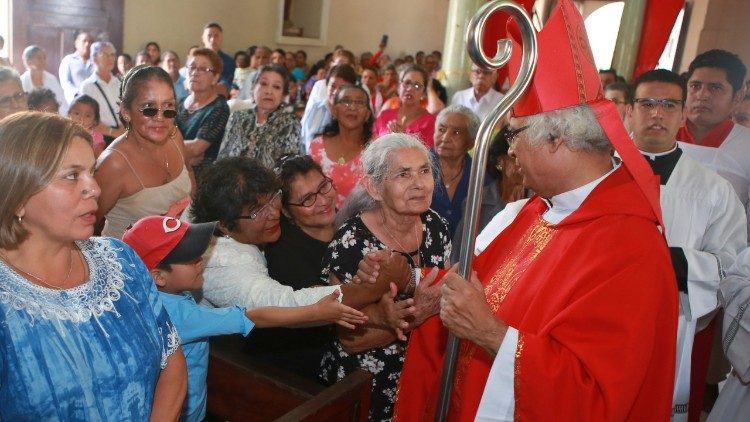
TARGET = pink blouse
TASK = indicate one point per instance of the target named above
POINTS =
(423, 127)
(345, 176)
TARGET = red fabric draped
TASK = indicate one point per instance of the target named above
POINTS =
(658, 20)
(495, 30)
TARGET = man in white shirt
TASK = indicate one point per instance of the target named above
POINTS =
(481, 98)
(76, 66)
(703, 217)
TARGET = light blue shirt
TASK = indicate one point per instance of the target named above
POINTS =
(195, 324)
(313, 122)
(73, 71)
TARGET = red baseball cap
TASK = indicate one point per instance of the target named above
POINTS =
(166, 240)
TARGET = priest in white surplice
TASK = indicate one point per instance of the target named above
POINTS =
(704, 218)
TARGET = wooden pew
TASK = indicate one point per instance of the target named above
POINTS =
(240, 389)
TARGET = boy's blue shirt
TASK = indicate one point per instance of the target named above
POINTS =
(195, 324)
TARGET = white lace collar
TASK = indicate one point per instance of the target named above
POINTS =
(78, 304)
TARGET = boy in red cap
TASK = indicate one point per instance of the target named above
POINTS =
(172, 251)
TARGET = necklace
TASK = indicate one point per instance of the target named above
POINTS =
(39, 279)
(168, 175)
(403, 249)
(450, 181)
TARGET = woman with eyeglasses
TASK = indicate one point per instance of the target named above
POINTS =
(264, 132)
(203, 115)
(104, 87)
(144, 171)
(295, 260)
(338, 150)
(391, 211)
(409, 117)
(246, 198)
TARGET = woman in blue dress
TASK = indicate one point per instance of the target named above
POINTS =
(83, 334)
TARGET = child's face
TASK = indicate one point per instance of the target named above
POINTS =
(83, 114)
(184, 276)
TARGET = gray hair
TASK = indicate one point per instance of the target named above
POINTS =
(472, 120)
(9, 74)
(98, 46)
(577, 126)
(29, 53)
(376, 163)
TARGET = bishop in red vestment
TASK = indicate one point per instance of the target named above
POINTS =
(573, 313)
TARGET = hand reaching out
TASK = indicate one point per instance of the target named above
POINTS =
(331, 310)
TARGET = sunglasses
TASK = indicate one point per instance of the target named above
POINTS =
(153, 111)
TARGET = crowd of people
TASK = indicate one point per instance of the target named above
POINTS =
(255, 193)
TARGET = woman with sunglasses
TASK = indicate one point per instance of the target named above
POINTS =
(264, 132)
(338, 150)
(144, 172)
(203, 115)
(410, 117)
(295, 260)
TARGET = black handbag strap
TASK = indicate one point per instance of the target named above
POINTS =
(109, 106)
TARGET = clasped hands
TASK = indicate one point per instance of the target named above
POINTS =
(462, 304)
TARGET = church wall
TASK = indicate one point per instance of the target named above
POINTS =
(356, 24)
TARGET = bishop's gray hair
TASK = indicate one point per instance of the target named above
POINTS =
(375, 163)
(577, 126)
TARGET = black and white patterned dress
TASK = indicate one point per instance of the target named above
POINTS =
(352, 242)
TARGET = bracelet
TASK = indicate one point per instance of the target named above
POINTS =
(110, 131)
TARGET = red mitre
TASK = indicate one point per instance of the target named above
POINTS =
(566, 76)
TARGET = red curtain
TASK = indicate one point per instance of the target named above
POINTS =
(658, 20)
(495, 30)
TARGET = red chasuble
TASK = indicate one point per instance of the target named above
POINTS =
(595, 302)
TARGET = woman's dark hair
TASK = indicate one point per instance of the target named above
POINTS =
(154, 43)
(332, 128)
(288, 167)
(90, 101)
(40, 97)
(498, 148)
(135, 79)
(273, 67)
(229, 185)
(320, 64)
(414, 68)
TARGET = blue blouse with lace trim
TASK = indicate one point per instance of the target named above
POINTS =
(93, 352)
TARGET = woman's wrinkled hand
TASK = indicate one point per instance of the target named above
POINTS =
(396, 312)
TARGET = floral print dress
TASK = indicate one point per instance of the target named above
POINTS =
(266, 142)
(352, 242)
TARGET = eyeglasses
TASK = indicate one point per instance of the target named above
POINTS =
(153, 111)
(309, 199)
(513, 134)
(350, 103)
(18, 98)
(200, 70)
(265, 209)
(650, 104)
(480, 72)
(416, 85)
